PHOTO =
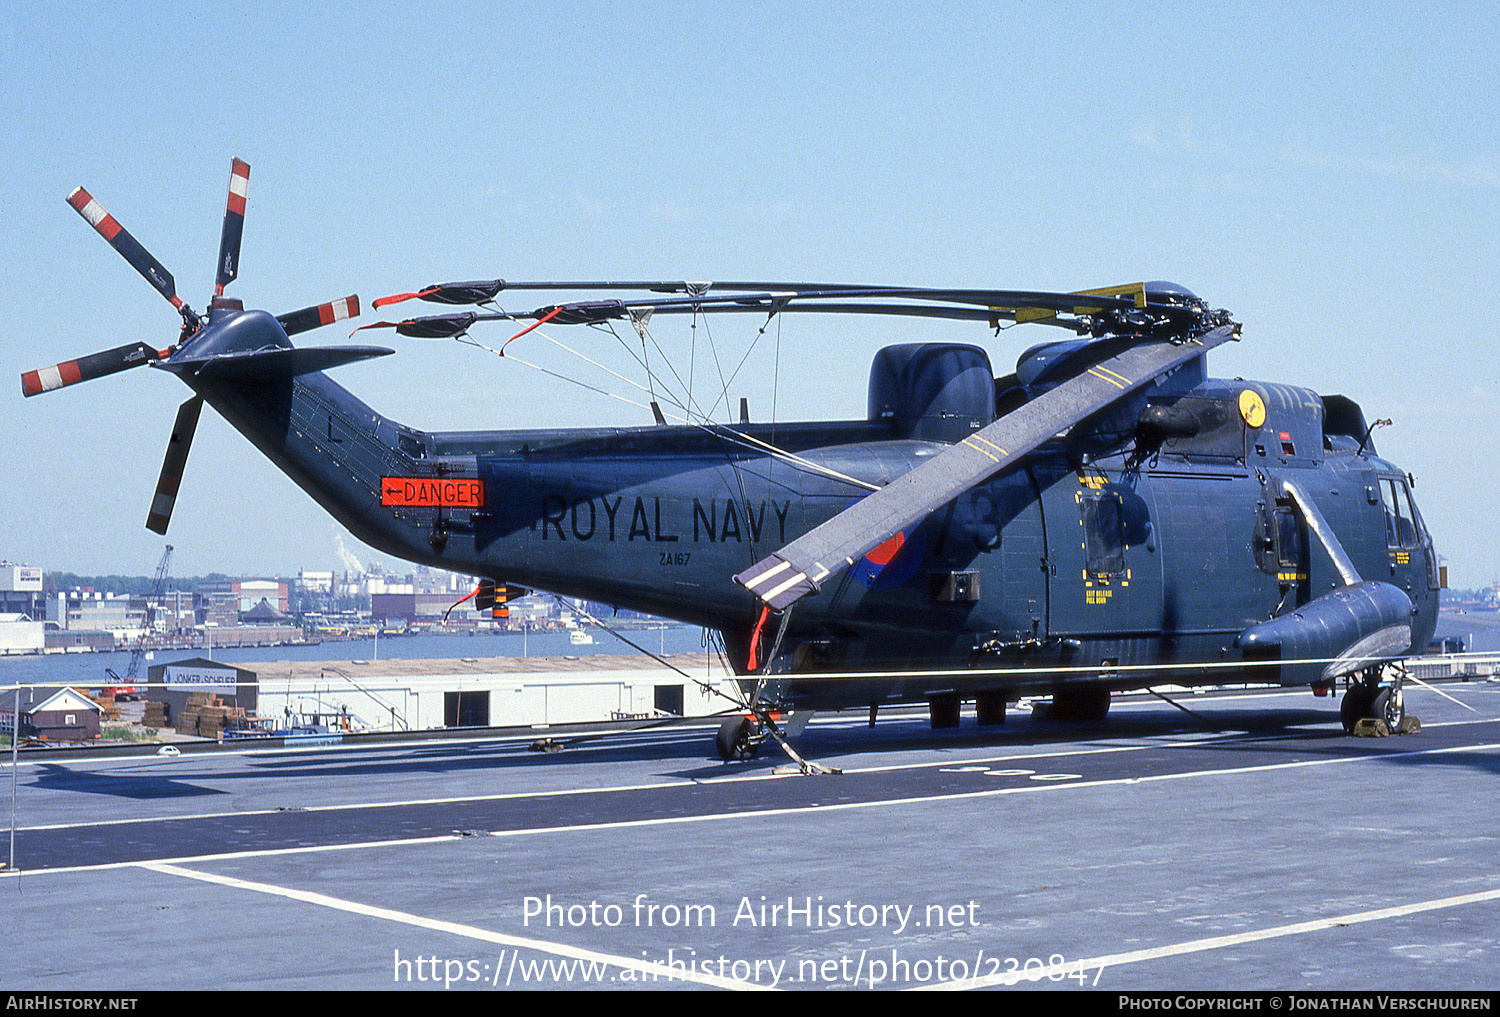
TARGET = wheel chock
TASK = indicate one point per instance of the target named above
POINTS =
(1373, 727)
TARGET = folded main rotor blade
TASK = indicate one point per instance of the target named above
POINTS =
(172, 466)
(449, 293)
(234, 225)
(485, 290)
(433, 326)
(785, 576)
(316, 317)
(130, 249)
(971, 305)
(1117, 308)
(96, 365)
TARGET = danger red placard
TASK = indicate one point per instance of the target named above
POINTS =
(431, 492)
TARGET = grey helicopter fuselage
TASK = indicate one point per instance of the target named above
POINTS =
(1156, 543)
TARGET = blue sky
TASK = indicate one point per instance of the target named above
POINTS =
(1331, 176)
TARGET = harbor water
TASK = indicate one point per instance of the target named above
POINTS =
(87, 670)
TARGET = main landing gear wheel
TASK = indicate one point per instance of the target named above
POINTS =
(735, 741)
(1356, 705)
(1086, 705)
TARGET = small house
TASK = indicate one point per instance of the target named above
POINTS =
(54, 714)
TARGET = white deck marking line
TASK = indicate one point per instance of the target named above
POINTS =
(762, 813)
(564, 792)
(357, 806)
(988, 793)
(1095, 964)
(230, 856)
(1093, 750)
(662, 972)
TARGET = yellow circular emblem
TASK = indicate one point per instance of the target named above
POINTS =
(1252, 409)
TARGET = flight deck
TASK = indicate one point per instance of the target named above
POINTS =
(1250, 845)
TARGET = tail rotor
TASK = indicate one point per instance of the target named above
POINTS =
(121, 358)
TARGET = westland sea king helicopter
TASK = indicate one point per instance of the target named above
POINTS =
(1105, 517)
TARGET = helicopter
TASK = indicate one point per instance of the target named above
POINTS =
(1105, 517)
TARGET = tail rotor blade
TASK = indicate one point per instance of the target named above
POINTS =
(130, 249)
(97, 365)
(323, 314)
(234, 225)
(172, 466)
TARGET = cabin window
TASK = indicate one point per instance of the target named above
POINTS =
(1279, 547)
(1103, 535)
(1288, 539)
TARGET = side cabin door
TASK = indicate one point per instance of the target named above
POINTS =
(972, 571)
(998, 527)
(1103, 563)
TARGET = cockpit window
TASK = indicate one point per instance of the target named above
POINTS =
(1401, 526)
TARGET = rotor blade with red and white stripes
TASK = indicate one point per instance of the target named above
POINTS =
(234, 225)
(130, 249)
(96, 365)
(172, 466)
(323, 314)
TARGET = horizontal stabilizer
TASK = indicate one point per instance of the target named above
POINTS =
(277, 362)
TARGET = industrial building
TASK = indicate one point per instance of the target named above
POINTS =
(21, 590)
(414, 695)
(22, 609)
(19, 634)
(249, 612)
(173, 684)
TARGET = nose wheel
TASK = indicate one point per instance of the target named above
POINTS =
(1390, 706)
(1373, 698)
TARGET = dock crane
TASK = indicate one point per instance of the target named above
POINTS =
(125, 688)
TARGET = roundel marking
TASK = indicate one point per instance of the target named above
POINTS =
(882, 555)
(1252, 409)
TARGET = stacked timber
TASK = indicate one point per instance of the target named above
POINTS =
(155, 715)
(204, 716)
(109, 709)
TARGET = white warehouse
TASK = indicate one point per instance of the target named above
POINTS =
(414, 695)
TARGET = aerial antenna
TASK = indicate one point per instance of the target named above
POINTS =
(1370, 430)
